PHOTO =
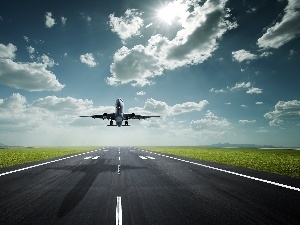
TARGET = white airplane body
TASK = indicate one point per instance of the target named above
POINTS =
(119, 116)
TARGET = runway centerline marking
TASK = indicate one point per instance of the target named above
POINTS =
(119, 211)
(45, 163)
(237, 174)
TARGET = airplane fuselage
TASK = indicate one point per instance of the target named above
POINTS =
(119, 115)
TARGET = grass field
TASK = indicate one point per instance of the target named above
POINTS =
(281, 161)
(14, 156)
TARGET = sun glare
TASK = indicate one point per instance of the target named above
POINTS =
(168, 13)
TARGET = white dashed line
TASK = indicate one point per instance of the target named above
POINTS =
(234, 173)
(119, 211)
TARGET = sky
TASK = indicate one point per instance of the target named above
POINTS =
(216, 71)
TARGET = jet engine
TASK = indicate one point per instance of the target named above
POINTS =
(132, 115)
(104, 116)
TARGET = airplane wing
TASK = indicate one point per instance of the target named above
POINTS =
(103, 116)
(139, 117)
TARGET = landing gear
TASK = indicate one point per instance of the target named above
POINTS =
(111, 123)
(126, 123)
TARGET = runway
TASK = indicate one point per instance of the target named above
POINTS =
(133, 186)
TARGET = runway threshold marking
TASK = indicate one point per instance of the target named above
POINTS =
(119, 211)
(230, 172)
(45, 163)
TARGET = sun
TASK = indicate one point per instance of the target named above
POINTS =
(168, 13)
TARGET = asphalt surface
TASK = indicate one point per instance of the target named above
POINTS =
(134, 186)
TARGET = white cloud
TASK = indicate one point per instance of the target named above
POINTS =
(28, 76)
(284, 111)
(217, 91)
(247, 121)
(47, 118)
(149, 25)
(63, 20)
(259, 103)
(244, 106)
(254, 90)
(50, 22)
(126, 26)
(46, 60)
(285, 30)
(276, 122)
(209, 123)
(266, 54)
(193, 44)
(141, 93)
(153, 106)
(63, 106)
(26, 38)
(30, 50)
(243, 55)
(7, 51)
(239, 86)
(88, 59)
(187, 107)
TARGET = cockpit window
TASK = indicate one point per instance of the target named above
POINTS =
(120, 99)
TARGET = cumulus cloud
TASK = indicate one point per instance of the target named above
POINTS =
(64, 106)
(126, 26)
(239, 86)
(285, 30)
(243, 55)
(154, 106)
(28, 76)
(31, 51)
(201, 28)
(88, 59)
(45, 114)
(254, 90)
(50, 22)
(210, 122)
(284, 111)
(7, 51)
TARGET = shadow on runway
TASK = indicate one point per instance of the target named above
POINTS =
(91, 172)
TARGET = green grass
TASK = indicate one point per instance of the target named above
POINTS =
(14, 156)
(281, 161)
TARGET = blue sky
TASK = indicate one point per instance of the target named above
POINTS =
(215, 71)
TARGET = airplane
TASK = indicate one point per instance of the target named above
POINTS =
(119, 116)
